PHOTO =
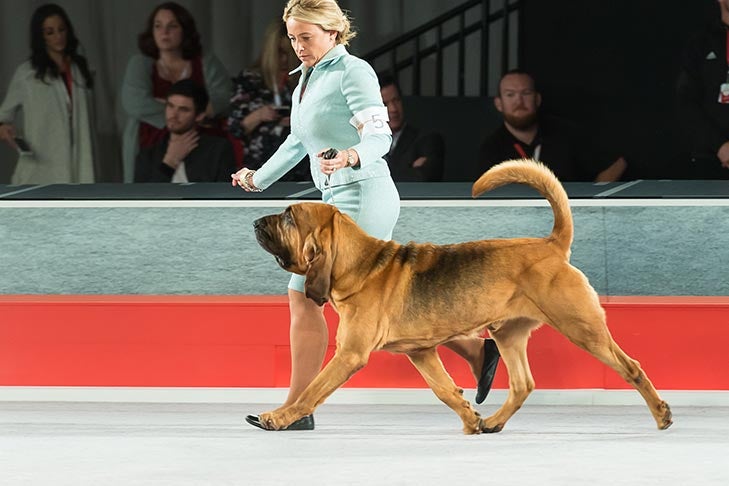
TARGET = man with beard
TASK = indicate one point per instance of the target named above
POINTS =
(185, 154)
(556, 143)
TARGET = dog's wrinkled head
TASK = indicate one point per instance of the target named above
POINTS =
(300, 238)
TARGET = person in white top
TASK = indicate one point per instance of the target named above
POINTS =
(53, 90)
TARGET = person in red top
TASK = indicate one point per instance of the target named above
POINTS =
(170, 51)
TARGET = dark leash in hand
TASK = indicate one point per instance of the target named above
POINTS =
(328, 155)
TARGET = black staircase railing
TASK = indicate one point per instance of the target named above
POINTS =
(388, 57)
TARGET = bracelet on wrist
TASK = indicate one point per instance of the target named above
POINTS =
(247, 181)
(350, 159)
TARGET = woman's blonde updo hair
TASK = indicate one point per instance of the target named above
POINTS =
(324, 13)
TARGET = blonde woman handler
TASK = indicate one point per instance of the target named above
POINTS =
(337, 104)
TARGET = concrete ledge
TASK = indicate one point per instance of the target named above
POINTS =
(118, 248)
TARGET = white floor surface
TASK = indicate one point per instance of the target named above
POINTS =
(77, 443)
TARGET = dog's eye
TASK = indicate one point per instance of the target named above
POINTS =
(287, 217)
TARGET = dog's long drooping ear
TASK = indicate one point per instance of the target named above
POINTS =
(318, 258)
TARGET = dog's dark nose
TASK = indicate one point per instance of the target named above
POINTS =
(257, 223)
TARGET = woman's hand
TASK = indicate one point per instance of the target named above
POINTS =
(244, 179)
(179, 148)
(339, 161)
(238, 177)
(7, 135)
(723, 155)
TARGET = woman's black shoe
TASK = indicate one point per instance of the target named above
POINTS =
(488, 371)
(254, 421)
(304, 423)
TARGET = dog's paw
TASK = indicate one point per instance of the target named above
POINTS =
(272, 421)
(473, 424)
(472, 429)
(491, 429)
(666, 419)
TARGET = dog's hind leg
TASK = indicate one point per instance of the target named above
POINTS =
(512, 337)
(607, 350)
(431, 367)
(582, 321)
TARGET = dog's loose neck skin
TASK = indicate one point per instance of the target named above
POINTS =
(364, 252)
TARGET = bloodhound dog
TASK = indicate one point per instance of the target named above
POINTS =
(410, 298)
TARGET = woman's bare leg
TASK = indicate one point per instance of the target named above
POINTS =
(470, 349)
(309, 337)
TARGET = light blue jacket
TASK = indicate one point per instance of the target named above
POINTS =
(340, 87)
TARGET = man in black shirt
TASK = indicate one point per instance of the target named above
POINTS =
(415, 155)
(557, 143)
(185, 155)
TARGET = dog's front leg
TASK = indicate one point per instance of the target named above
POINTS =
(340, 368)
(431, 367)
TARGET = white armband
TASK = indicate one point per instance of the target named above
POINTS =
(370, 121)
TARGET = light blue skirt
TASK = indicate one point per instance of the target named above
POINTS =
(374, 204)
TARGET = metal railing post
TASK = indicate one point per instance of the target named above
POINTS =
(415, 59)
(484, 84)
(462, 54)
(505, 38)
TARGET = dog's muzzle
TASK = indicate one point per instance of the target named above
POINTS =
(262, 236)
(268, 242)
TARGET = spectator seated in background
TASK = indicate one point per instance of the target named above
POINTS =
(184, 154)
(557, 143)
(260, 109)
(170, 51)
(414, 156)
(703, 99)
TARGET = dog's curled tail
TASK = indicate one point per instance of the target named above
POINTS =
(538, 176)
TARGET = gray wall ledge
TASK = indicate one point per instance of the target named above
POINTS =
(201, 247)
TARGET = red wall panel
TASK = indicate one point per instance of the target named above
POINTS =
(190, 341)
